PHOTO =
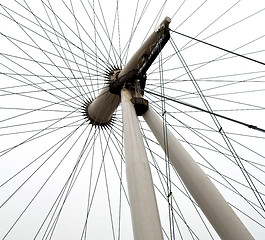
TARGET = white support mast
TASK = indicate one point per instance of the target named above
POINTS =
(216, 209)
(144, 211)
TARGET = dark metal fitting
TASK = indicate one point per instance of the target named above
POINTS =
(127, 80)
(140, 105)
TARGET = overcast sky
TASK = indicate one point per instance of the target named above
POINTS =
(62, 178)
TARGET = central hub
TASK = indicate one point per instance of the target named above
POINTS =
(100, 110)
(95, 110)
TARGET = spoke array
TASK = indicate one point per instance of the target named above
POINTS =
(62, 177)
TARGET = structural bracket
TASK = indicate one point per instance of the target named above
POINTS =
(129, 78)
(140, 105)
(155, 52)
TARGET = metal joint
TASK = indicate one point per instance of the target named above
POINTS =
(127, 80)
(140, 104)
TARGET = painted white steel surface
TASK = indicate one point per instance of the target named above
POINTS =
(219, 213)
(144, 212)
(145, 49)
(102, 108)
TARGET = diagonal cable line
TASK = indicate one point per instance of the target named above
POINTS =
(78, 85)
(229, 26)
(213, 22)
(163, 179)
(60, 34)
(206, 111)
(39, 190)
(49, 39)
(213, 130)
(55, 33)
(220, 48)
(38, 46)
(192, 13)
(222, 132)
(68, 186)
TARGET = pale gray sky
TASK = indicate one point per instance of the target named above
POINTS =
(61, 178)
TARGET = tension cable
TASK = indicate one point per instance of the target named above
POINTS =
(206, 111)
(223, 49)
